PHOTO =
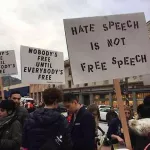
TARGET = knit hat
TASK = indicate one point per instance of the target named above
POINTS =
(9, 105)
(147, 100)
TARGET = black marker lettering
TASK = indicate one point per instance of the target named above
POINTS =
(83, 66)
(132, 61)
(97, 65)
(136, 24)
(103, 66)
(74, 30)
(90, 68)
(105, 27)
(114, 60)
(92, 27)
(129, 24)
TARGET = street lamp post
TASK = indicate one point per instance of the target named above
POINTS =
(124, 89)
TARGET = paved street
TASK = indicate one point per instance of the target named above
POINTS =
(104, 126)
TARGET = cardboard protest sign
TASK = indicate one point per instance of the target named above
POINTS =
(8, 63)
(109, 47)
(39, 66)
(146, 79)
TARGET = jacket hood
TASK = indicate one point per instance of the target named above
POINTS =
(45, 116)
(140, 127)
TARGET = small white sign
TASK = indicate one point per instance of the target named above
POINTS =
(109, 47)
(8, 63)
(39, 66)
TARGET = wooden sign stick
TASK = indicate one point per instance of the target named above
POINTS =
(122, 113)
(2, 89)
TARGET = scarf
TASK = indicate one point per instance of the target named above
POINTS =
(4, 122)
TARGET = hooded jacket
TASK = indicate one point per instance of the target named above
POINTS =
(43, 124)
(10, 133)
(140, 133)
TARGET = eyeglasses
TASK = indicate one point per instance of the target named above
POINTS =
(127, 113)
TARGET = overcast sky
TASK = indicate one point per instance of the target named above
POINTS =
(39, 23)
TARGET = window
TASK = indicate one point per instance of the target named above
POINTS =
(69, 71)
(69, 83)
(85, 84)
(53, 85)
(31, 95)
(94, 83)
(106, 82)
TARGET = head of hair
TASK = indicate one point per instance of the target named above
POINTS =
(147, 100)
(8, 105)
(14, 92)
(128, 108)
(143, 111)
(140, 108)
(93, 107)
(51, 96)
(69, 97)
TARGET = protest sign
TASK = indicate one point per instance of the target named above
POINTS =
(109, 47)
(39, 66)
(8, 63)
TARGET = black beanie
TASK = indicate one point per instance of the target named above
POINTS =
(147, 100)
(9, 105)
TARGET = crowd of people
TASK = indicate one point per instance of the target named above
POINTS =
(45, 128)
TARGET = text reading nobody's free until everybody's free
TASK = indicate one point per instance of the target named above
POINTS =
(3, 64)
(110, 42)
(43, 65)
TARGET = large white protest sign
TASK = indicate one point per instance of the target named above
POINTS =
(8, 63)
(110, 47)
(39, 66)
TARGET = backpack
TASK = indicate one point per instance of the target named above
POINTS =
(54, 142)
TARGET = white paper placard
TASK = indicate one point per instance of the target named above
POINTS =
(39, 66)
(109, 47)
(8, 64)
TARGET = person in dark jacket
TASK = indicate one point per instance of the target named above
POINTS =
(82, 124)
(21, 112)
(140, 129)
(10, 127)
(115, 132)
(46, 128)
(111, 115)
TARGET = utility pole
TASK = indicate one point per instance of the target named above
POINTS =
(126, 91)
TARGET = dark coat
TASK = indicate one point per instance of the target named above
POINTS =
(83, 131)
(22, 114)
(140, 133)
(115, 128)
(11, 136)
(42, 125)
